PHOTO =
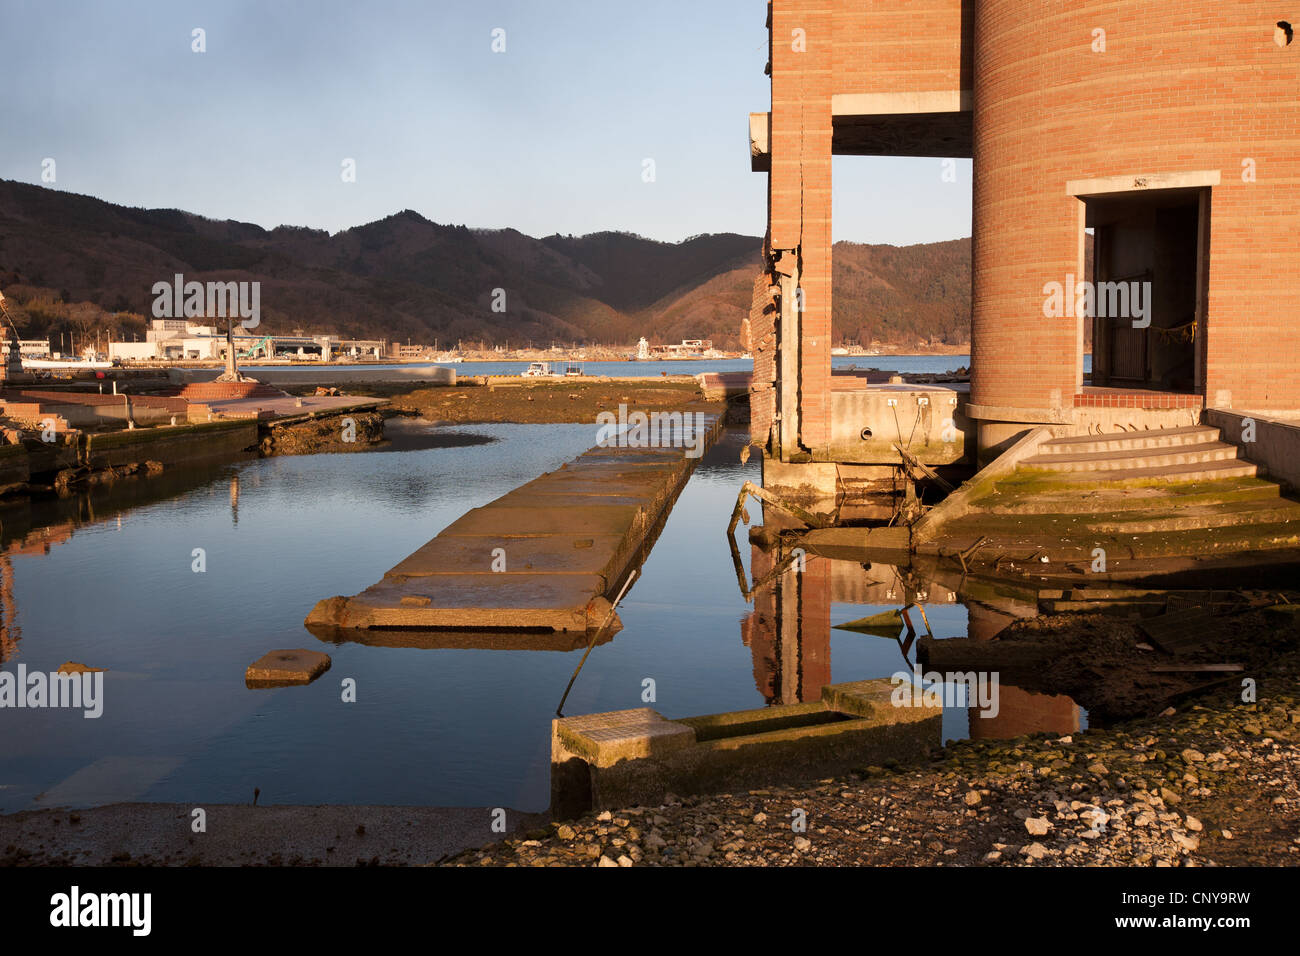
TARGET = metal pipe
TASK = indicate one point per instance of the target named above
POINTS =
(559, 711)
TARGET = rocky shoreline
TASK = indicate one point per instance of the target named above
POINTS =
(1211, 783)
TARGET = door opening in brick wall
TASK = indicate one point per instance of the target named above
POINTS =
(1144, 276)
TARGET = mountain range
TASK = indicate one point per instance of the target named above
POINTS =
(405, 277)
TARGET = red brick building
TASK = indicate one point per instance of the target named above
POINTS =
(1165, 134)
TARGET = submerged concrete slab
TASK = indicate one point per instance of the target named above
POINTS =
(467, 639)
(563, 602)
(513, 554)
(285, 668)
(506, 519)
(547, 556)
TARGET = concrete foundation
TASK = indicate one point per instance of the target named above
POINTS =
(927, 420)
(637, 757)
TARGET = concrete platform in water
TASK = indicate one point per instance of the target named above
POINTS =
(548, 556)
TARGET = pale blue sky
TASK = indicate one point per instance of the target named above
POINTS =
(549, 136)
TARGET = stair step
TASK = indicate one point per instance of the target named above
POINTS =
(1016, 543)
(1108, 498)
(1188, 471)
(1117, 441)
(1128, 459)
(1202, 519)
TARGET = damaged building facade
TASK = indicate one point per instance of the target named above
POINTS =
(1165, 136)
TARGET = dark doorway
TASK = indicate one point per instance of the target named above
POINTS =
(1146, 272)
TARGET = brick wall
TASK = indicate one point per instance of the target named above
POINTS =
(819, 48)
(1197, 85)
(799, 187)
(225, 391)
(901, 47)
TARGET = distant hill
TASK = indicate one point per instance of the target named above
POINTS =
(406, 277)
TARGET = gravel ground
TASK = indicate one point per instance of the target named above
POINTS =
(1211, 783)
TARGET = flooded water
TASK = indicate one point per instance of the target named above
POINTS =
(109, 582)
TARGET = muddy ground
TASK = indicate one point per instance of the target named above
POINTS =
(558, 402)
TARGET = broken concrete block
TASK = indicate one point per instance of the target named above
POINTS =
(72, 667)
(286, 668)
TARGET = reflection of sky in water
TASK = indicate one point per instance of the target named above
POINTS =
(433, 727)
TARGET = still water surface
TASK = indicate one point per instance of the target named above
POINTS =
(112, 586)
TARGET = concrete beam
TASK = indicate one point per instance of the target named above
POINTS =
(884, 104)
(1141, 182)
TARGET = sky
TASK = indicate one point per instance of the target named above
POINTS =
(552, 135)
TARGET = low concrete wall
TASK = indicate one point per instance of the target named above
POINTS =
(1093, 421)
(80, 415)
(1275, 448)
(636, 757)
(182, 444)
(327, 375)
(927, 420)
(82, 409)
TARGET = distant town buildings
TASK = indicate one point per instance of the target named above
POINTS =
(30, 348)
(177, 340)
(691, 347)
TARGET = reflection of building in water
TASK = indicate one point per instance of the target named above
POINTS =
(1024, 712)
(234, 499)
(39, 540)
(789, 630)
(10, 631)
(35, 542)
(1019, 711)
(788, 634)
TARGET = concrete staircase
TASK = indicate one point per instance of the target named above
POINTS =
(1159, 494)
(1192, 453)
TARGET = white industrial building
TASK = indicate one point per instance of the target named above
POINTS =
(177, 340)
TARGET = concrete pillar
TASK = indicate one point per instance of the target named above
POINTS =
(799, 200)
